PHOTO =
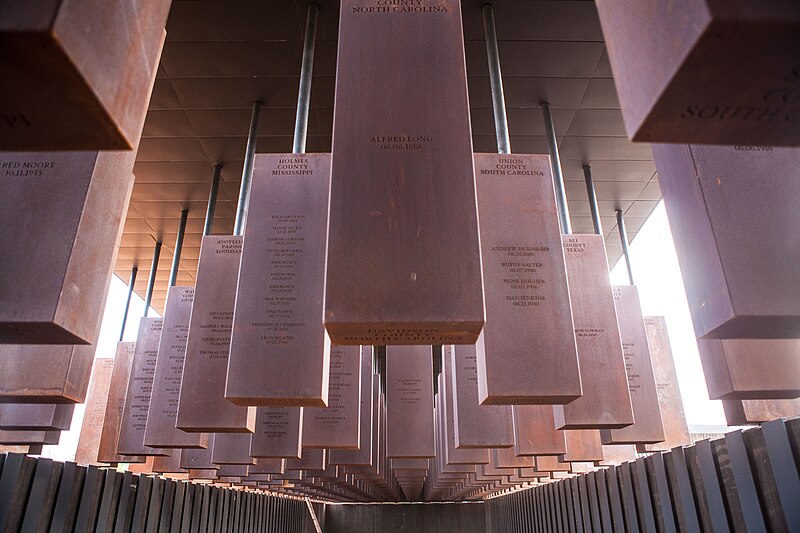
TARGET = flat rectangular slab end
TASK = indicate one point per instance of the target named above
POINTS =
(233, 428)
(405, 333)
(246, 401)
(37, 333)
(527, 400)
(591, 425)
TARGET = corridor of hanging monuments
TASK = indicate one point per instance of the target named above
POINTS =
(274, 266)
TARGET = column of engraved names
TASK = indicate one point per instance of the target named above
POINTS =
(278, 347)
(629, 352)
(522, 269)
(286, 238)
(648, 427)
(278, 432)
(94, 414)
(583, 330)
(143, 384)
(523, 266)
(96, 404)
(216, 326)
(275, 423)
(471, 368)
(177, 356)
(339, 381)
(409, 391)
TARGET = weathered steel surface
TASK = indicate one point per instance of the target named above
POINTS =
(278, 432)
(410, 463)
(145, 467)
(409, 402)
(337, 426)
(139, 389)
(168, 463)
(475, 425)
(535, 431)
(202, 406)
(606, 402)
(232, 449)
(708, 193)
(31, 449)
(232, 471)
(205, 474)
(199, 458)
(41, 416)
(310, 459)
(676, 431)
(746, 412)
(507, 458)
(663, 75)
(45, 374)
(82, 74)
(161, 431)
(526, 286)
(751, 369)
(279, 349)
(115, 404)
(583, 445)
(402, 183)
(615, 454)
(268, 466)
(94, 415)
(62, 267)
(549, 463)
(648, 427)
(29, 437)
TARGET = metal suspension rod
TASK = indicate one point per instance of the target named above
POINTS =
(587, 174)
(212, 200)
(176, 257)
(496, 81)
(131, 283)
(623, 237)
(247, 171)
(152, 281)
(555, 165)
(306, 72)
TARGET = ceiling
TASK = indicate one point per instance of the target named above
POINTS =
(222, 55)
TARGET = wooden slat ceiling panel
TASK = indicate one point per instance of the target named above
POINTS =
(221, 55)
